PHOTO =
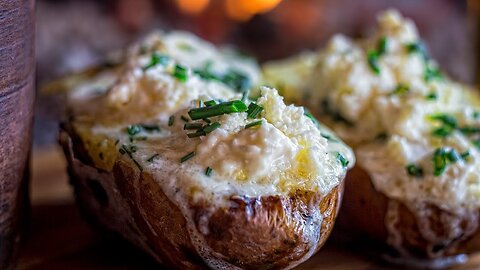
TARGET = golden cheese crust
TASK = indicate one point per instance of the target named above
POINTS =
(272, 232)
(433, 234)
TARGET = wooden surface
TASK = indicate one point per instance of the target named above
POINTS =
(58, 238)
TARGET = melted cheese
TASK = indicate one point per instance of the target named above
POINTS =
(286, 153)
(391, 130)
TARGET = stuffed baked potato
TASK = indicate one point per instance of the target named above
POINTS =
(166, 149)
(415, 133)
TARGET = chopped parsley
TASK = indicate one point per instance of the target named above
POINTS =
(372, 57)
(342, 160)
(253, 124)
(157, 59)
(208, 171)
(414, 170)
(187, 157)
(254, 110)
(180, 72)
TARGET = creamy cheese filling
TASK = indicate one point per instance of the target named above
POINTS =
(414, 130)
(139, 112)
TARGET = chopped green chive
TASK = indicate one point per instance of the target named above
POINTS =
(171, 119)
(211, 127)
(476, 114)
(372, 57)
(219, 109)
(133, 130)
(210, 103)
(431, 96)
(117, 141)
(465, 155)
(196, 134)
(184, 118)
(133, 148)
(150, 159)
(441, 158)
(449, 124)
(432, 73)
(129, 153)
(382, 46)
(208, 171)
(187, 157)
(150, 128)
(382, 136)
(237, 80)
(180, 73)
(417, 47)
(208, 121)
(442, 132)
(469, 130)
(254, 110)
(157, 59)
(121, 151)
(342, 160)
(414, 170)
(253, 124)
(192, 125)
(476, 143)
(401, 89)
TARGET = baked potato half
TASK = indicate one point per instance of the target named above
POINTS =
(415, 133)
(168, 150)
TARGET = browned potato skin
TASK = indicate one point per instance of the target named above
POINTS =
(254, 233)
(364, 210)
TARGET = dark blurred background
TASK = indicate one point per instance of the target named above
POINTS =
(74, 34)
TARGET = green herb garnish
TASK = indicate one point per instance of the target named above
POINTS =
(465, 155)
(196, 134)
(129, 153)
(187, 157)
(211, 127)
(432, 73)
(180, 72)
(208, 171)
(476, 143)
(372, 57)
(469, 130)
(449, 124)
(192, 126)
(206, 120)
(417, 47)
(133, 130)
(184, 118)
(157, 59)
(171, 119)
(150, 159)
(254, 110)
(382, 46)
(414, 170)
(431, 96)
(441, 158)
(219, 109)
(210, 103)
(236, 80)
(253, 124)
(401, 89)
(150, 128)
(342, 160)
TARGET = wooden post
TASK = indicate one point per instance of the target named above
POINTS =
(17, 69)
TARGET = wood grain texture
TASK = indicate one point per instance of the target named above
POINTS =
(58, 237)
(16, 107)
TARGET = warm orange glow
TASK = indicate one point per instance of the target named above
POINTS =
(192, 6)
(243, 10)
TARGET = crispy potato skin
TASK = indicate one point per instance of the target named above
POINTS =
(252, 233)
(364, 210)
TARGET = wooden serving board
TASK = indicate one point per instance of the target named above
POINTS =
(58, 238)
